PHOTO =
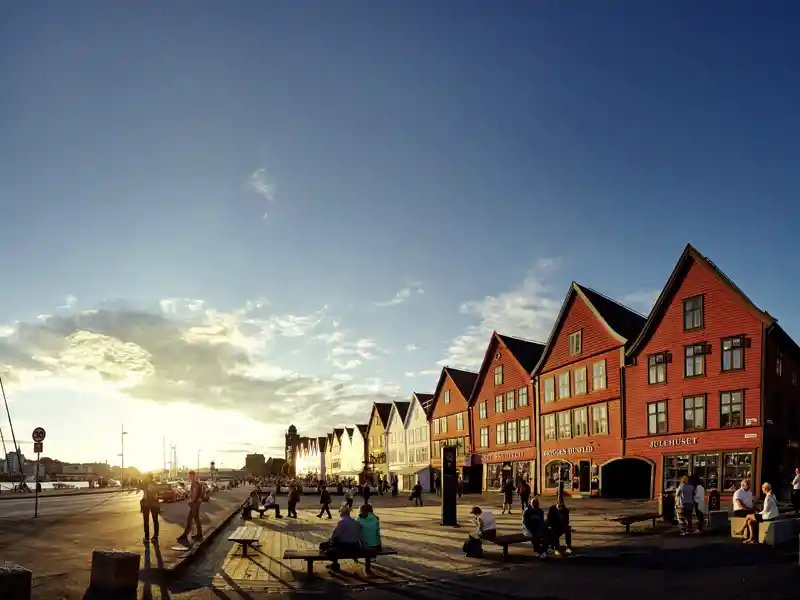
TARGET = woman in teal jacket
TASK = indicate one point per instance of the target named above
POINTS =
(370, 527)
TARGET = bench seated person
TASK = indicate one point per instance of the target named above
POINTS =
(346, 541)
(255, 504)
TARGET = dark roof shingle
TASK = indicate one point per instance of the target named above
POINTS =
(384, 408)
(402, 409)
(526, 352)
(363, 429)
(625, 321)
(464, 380)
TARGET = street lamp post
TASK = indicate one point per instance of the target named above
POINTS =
(198, 463)
(123, 433)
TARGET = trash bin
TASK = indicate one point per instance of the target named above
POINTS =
(714, 500)
(666, 506)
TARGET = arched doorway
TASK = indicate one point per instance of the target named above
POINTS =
(555, 470)
(626, 477)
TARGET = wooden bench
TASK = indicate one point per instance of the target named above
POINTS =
(312, 555)
(504, 541)
(246, 535)
(629, 520)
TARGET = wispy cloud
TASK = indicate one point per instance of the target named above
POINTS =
(642, 300)
(260, 183)
(69, 301)
(411, 347)
(527, 311)
(415, 289)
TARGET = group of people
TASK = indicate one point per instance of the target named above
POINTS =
(151, 508)
(544, 531)
(350, 535)
(744, 506)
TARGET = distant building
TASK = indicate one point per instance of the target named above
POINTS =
(255, 464)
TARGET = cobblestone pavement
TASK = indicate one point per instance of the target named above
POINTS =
(428, 552)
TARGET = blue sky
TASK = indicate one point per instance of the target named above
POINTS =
(477, 155)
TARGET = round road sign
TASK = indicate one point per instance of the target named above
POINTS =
(39, 434)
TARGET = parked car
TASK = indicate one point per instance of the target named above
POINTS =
(167, 493)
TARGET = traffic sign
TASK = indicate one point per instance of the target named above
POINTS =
(39, 434)
(38, 447)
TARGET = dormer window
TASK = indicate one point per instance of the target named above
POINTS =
(575, 343)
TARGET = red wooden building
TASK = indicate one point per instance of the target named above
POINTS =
(449, 420)
(711, 387)
(579, 382)
(501, 408)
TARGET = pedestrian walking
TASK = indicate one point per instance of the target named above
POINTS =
(325, 501)
(349, 494)
(150, 508)
(294, 500)
(460, 488)
(684, 499)
(437, 484)
(508, 496)
(796, 491)
(416, 494)
(524, 494)
(700, 509)
(195, 498)
(366, 491)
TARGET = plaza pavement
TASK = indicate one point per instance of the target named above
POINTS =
(430, 555)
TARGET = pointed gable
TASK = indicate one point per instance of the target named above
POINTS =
(322, 443)
(689, 259)
(338, 433)
(463, 382)
(349, 431)
(603, 322)
(524, 352)
(363, 430)
(402, 409)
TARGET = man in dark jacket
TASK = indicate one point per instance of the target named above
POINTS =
(294, 498)
(325, 501)
(558, 525)
(524, 493)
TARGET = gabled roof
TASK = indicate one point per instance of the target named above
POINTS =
(623, 323)
(383, 409)
(525, 352)
(363, 429)
(463, 380)
(424, 401)
(690, 255)
(322, 443)
(349, 431)
(402, 409)
(338, 433)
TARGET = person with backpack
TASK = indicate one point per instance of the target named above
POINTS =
(325, 501)
(150, 508)
(524, 492)
(508, 496)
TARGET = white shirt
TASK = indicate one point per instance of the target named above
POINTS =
(486, 521)
(269, 500)
(796, 482)
(700, 498)
(770, 510)
(742, 499)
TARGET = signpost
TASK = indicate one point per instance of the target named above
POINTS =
(38, 438)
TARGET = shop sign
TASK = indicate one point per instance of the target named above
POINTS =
(750, 436)
(512, 455)
(567, 451)
(674, 442)
(750, 421)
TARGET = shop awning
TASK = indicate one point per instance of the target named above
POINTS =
(410, 470)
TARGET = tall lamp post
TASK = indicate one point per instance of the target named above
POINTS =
(122, 435)
(198, 463)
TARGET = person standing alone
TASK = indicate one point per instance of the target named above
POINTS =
(796, 491)
(195, 498)
(150, 506)
(325, 501)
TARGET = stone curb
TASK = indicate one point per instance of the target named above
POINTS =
(31, 496)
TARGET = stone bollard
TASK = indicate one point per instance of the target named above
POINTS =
(114, 571)
(15, 582)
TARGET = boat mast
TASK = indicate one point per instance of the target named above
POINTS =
(13, 437)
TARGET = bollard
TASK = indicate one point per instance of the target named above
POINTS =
(114, 571)
(15, 582)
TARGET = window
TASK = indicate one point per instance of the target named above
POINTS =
(460, 421)
(675, 467)
(511, 432)
(500, 434)
(510, 400)
(736, 466)
(694, 413)
(443, 425)
(498, 375)
(575, 343)
(580, 422)
(393, 437)
(549, 427)
(731, 409)
(424, 434)
(733, 354)
(563, 385)
(484, 439)
(549, 390)
(657, 417)
(693, 313)
(436, 450)
(600, 419)
(580, 381)
(564, 426)
(436, 427)
(706, 467)
(555, 471)
(695, 360)
(599, 375)
(447, 396)
(522, 397)
(482, 410)
(498, 403)
(779, 364)
(657, 365)
(525, 430)
(417, 435)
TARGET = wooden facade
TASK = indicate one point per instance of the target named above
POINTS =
(376, 438)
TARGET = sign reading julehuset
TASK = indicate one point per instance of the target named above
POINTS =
(687, 441)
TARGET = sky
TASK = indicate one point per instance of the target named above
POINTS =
(219, 219)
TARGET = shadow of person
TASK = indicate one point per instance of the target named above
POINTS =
(151, 574)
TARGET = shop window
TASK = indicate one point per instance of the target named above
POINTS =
(482, 410)
(657, 368)
(511, 432)
(484, 437)
(706, 468)
(731, 409)
(549, 389)
(693, 313)
(522, 397)
(580, 422)
(525, 430)
(695, 360)
(675, 467)
(564, 425)
(736, 466)
(460, 421)
(549, 427)
(556, 470)
(563, 385)
(500, 434)
(498, 404)
(510, 400)
(657, 417)
(498, 375)
(599, 375)
(733, 354)
(600, 419)
(494, 476)
(694, 413)
(580, 381)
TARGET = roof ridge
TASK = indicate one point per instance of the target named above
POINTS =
(521, 339)
(459, 369)
(609, 298)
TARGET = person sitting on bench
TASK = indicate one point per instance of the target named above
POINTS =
(743, 503)
(485, 529)
(534, 527)
(345, 539)
(558, 524)
(269, 503)
(769, 513)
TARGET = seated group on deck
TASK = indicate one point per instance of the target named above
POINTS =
(544, 532)
(351, 536)
(744, 506)
(256, 503)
